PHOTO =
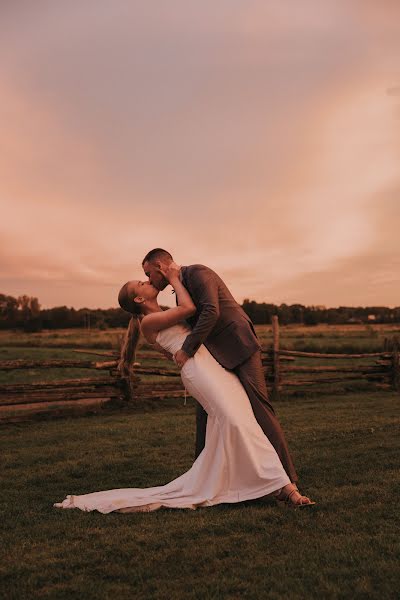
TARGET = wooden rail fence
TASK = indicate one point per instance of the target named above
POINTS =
(282, 371)
(381, 369)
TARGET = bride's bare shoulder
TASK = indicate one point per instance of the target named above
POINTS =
(149, 330)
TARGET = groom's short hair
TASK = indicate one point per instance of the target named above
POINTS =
(156, 254)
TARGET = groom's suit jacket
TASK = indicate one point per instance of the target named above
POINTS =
(219, 322)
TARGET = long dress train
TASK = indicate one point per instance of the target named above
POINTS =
(237, 463)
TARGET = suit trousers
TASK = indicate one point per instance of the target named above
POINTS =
(252, 378)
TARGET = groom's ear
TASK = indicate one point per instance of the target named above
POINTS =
(138, 299)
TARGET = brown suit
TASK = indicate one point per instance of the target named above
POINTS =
(228, 333)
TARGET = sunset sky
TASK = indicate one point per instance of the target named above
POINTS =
(259, 137)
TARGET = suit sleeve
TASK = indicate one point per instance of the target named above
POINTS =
(204, 290)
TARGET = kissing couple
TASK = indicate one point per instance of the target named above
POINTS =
(241, 450)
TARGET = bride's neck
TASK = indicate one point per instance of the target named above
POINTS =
(151, 308)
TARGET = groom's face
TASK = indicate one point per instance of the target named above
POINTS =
(152, 271)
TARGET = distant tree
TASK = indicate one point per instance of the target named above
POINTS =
(310, 316)
(29, 310)
(284, 314)
(297, 313)
(333, 317)
(25, 312)
(8, 311)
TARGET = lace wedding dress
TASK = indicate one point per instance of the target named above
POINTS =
(237, 463)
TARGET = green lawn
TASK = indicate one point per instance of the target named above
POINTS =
(345, 448)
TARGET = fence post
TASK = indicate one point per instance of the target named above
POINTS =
(275, 356)
(386, 345)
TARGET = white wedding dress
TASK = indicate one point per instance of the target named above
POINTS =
(237, 463)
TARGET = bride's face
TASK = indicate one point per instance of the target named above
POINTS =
(144, 289)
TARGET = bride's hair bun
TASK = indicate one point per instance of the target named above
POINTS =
(126, 301)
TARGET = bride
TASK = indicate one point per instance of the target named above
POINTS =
(238, 462)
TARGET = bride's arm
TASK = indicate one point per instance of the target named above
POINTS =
(155, 322)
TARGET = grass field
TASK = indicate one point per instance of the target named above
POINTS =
(61, 344)
(345, 449)
(327, 338)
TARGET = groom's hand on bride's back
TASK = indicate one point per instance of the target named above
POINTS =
(180, 358)
(163, 351)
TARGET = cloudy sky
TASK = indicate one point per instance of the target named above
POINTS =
(259, 137)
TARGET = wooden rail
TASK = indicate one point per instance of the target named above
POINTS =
(281, 371)
(384, 373)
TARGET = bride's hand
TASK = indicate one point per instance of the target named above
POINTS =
(171, 273)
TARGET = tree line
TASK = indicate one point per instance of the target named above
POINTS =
(25, 313)
(312, 315)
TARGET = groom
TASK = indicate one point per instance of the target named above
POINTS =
(224, 328)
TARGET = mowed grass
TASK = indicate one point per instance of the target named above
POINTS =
(345, 449)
